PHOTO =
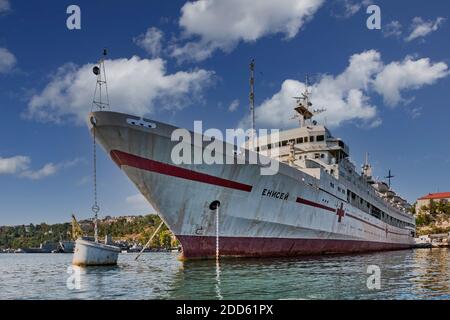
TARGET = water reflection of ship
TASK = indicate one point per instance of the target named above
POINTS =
(427, 279)
(252, 278)
(412, 274)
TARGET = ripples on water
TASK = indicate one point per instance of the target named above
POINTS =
(408, 274)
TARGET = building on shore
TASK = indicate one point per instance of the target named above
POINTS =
(436, 197)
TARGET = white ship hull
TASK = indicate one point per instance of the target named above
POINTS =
(286, 214)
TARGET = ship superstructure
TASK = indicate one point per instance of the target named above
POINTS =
(312, 149)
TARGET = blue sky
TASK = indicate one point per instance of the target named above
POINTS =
(191, 63)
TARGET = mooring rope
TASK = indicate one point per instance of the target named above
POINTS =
(148, 242)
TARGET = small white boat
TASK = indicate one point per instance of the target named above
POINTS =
(90, 253)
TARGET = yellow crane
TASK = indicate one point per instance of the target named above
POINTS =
(77, 232)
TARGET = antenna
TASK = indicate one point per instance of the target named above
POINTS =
(101, 86)
(252, 97)
(389, 177)
(367, 168)
(307, 94)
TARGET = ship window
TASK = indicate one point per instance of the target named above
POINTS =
(257, 149)
(284, 143)
(322, 156)
(306, 139)
(311, 139)
(292, 141)
(332, 184)
(269, 146)
(299, 140)
(320, 138)
(316, 155)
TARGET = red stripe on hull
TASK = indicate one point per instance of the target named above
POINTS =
(123, 158)
(195, 247)
(315, 204)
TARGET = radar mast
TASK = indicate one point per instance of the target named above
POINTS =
(304, 105)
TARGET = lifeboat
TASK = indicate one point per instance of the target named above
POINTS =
(397, 199)
(390, 194)
(381, 187)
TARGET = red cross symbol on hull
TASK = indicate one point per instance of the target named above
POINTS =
(340, 212)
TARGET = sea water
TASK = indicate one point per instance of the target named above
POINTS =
(406, 274)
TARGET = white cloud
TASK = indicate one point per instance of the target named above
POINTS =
(406, 75)
(151, 41)
(416, 112)
(233, 105)
(14, 164)
(343, 96)
(135, 85)
(47, 170)
(348, 8)
(421, 28)
(218, 24)
(139, 203)
(84, 180)
(20, 166)
(392, 29)
(346, 96)
(7, 60)
(351, 8)
(4, 6)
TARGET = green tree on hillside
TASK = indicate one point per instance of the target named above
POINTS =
(165, 238)
(138, 228)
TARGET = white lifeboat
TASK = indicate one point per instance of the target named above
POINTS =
(390, 194)
(381, 187)
(396, 199)
(90, 253)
